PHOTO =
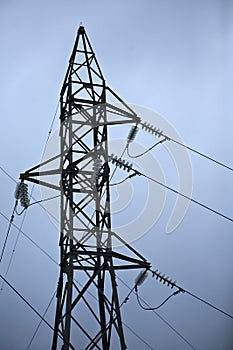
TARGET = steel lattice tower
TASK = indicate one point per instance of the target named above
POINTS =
(88, 314)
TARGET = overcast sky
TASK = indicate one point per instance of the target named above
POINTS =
(172, 57)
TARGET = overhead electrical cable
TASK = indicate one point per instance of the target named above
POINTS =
(159, 133)
(128, 167)
(209, 304)
(202, 155)
(33, 309)
(189, 198)
(29, 238)
(138, 336)
(140, 280)
(120, 182)
(169, 282)
(8, 231)
(40, 322)
(37, 202)
(19, 228)
(7, 174)
(50, 129)
(20, 231)
(146, 151)
(156, 307)
(13, 251)
(160, 317)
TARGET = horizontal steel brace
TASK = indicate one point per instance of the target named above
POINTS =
(116, 267)
(24, 176)
(39, 182)
(111, 254)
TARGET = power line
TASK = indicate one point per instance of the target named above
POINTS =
(20, 231)
(166, 280)
(121, 163)
(50, 129)
(157, 132)
(16, 241)
(156, 307)
(33, 309)
(124, 301)
(146, 151)
(161, 318)
(120, 182)
(39, 324)
(30, 239)
(187, 197)
(8, 231)
(138, 336)
(37, 202)
(7, 174)
(27, 302)
(13, 251)
(202, 155)
(12, 219)
(209, 304)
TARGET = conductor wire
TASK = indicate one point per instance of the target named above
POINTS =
(189, 198)
(8, 230)
(203, 155)
(40, 322)
(34, 310)
(146, 151)
(156, 307)
(37, 202)
(120, 182)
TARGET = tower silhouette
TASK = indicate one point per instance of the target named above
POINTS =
(88, 309)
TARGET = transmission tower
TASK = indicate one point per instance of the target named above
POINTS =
(88, 309)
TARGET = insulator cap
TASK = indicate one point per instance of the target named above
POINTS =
(21, 193)
(141, 278)
(133, 132)
(164, 279)
(96, 169)
(121, 163)
(152, 129)
(17, 191)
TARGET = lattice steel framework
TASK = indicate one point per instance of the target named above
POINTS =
(88, 314)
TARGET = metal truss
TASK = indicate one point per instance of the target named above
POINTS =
(88, 310)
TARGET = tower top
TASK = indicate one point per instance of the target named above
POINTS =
(81, 29)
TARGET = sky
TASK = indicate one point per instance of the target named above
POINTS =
(171, 57)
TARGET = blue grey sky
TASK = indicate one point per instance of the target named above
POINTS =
(174, 57)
